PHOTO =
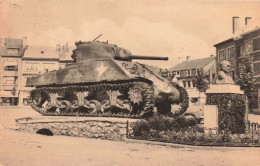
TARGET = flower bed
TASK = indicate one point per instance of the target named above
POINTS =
(183, 131)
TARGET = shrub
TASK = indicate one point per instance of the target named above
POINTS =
(231, 111)
(158, 125)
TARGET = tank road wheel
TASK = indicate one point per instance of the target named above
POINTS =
(75, 104)
(65, 106)
(127, 105)
(37, 99)
(41, 100)
(105, 105)
(138, 101)
(95, 106)
(135, 94)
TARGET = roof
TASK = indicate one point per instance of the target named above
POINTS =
(253, 26)
(193, 64)
(12, 43)
(46, 53)
(41, 52)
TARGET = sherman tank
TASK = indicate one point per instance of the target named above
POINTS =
(103, 80)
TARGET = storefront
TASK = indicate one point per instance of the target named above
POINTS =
(24, 97)
(7, 99)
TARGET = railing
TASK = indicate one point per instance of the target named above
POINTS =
(200, 136)
(253, 126)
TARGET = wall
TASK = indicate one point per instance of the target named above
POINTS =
(233, 60)
(91, 127)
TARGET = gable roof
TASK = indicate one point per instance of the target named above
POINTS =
(41, 52)
(46, 52)
(193, 64)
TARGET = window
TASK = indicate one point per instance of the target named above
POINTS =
(246, 48)
(256, 44)
(221, 55)
(193, 72)
(183, 73)
(188, 84)
(11, 68)
(193, 83)
(257, 68)
(12, 51)
(10, 80)
(188, 72)
(213, 77)
(249, 47)
(231, 74)
(184, 84)
(230, 53)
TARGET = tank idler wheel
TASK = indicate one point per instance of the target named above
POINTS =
(95, 106)
(65, 106)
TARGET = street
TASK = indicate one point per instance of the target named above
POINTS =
(19, 148)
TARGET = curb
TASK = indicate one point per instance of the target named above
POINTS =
(198, 147)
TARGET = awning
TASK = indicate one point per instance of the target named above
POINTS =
(10, 64)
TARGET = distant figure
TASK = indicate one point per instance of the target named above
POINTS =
(223, 76)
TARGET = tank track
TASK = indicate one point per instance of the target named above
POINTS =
(184, 102)
(147, 93)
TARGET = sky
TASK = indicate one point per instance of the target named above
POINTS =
(175, 29)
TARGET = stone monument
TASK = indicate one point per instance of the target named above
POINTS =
(223, 83)
(229, 100)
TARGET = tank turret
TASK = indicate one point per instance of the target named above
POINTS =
(87, 51)
(104, 80)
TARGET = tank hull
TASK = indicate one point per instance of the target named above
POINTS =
(106, 86)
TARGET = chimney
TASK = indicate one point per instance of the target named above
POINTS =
(187, 58)
(235, 23)
(24, 42)
(247, 20)
(67, 47)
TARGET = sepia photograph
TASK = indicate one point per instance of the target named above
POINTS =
(129, 83)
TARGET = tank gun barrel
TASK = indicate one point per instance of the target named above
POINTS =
(148, 57)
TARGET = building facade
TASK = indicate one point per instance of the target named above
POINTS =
(32, 67)
(233, 49)
(19, 61)
(186, 71)
(11, 52)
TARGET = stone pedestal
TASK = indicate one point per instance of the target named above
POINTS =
(210, 118)
(230, 101)
(91, 127)
(224, 88)
(202, 98)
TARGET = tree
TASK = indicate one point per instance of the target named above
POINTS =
(201, 82)
(245, 78)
